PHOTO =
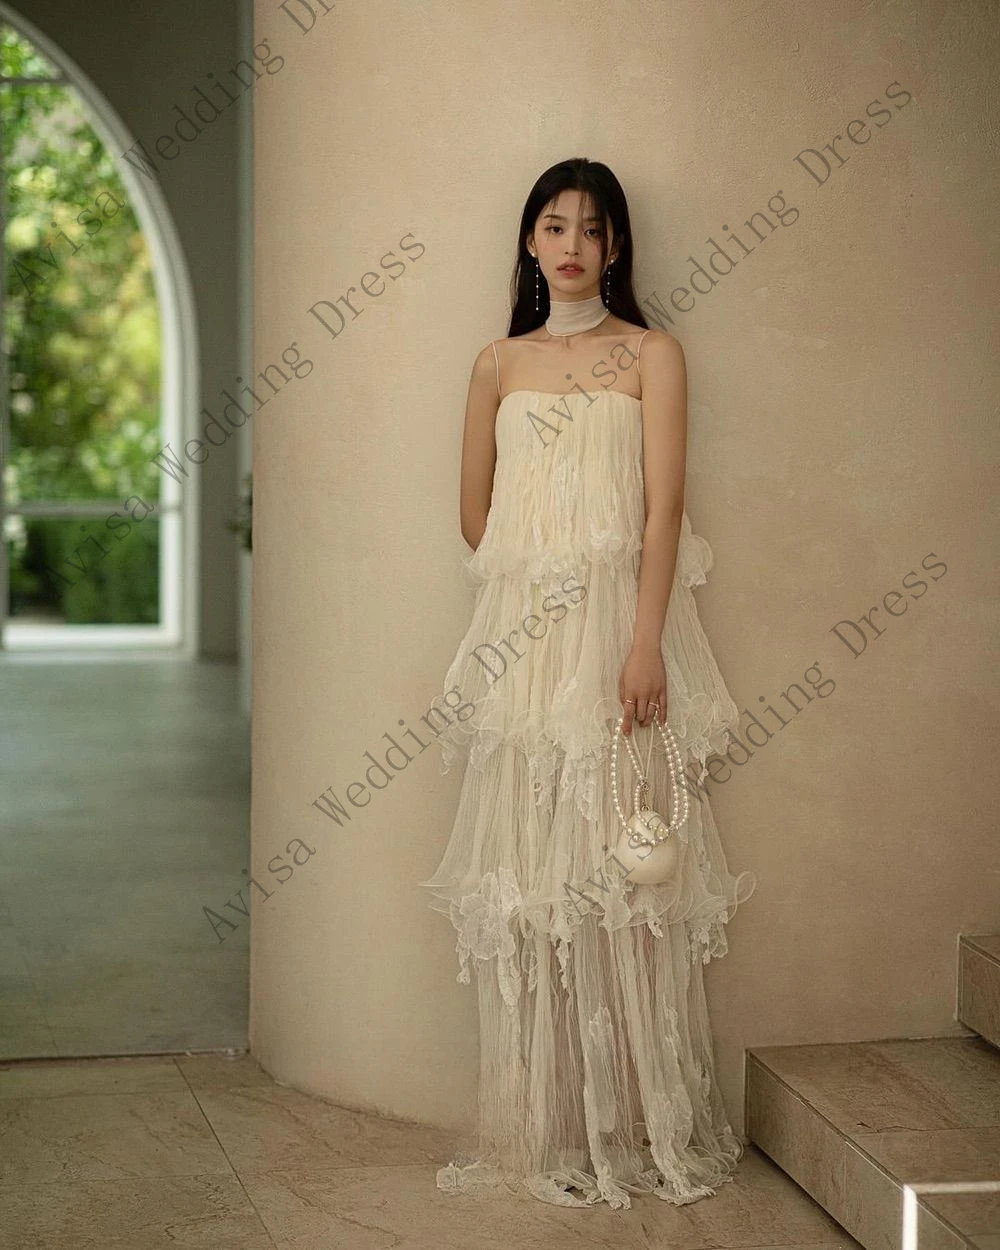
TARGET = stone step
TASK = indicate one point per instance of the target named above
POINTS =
(855, 1123)
(979, 985)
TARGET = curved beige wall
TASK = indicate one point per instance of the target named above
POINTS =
(842, 428)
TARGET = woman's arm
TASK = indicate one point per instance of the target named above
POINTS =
(479, 448)
(664, 443)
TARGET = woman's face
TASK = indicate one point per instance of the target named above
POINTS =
(563, 236)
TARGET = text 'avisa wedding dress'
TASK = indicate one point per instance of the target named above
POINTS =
(596, 1061)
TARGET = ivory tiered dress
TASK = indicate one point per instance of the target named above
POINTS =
(596, 1060)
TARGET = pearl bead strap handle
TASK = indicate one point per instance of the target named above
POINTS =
(679, 801)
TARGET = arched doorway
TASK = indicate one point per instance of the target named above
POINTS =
(102, 353)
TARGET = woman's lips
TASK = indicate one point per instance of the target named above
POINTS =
(571, 272)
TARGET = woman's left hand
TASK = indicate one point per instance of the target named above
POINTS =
(643, 679)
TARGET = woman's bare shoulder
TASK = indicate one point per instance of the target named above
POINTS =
(660, 340)
(622, 327)
(499, 346)
(658, 335)
(661, 356)
(485, 361)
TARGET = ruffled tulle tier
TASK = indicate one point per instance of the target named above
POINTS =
(540, 663)
(597, 1076)
(597, 1080)
(602, 1085)
(543, 868)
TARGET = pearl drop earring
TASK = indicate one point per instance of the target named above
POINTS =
(538, 270)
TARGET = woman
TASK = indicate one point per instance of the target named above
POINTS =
(596, 1073)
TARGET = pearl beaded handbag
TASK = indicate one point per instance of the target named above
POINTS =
(649, 847)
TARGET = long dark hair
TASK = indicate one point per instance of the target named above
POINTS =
(604, 192)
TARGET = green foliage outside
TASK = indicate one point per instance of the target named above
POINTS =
(82, 337)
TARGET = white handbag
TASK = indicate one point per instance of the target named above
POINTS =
(649, 848)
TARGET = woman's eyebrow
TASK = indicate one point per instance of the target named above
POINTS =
(560, 217)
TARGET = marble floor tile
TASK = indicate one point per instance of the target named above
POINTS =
(873, 1209)
(106, 1137)
(207, 1151)
(204, 1212)
(963, 1154)
(977, 1215)
(861, 1089)
(375, 1207)
(208, 1072)
(761, 1206)
(142, 1075)
(265, 1127)
(963, 1072)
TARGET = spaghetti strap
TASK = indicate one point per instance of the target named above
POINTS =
(497, 362)
(638, 350)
